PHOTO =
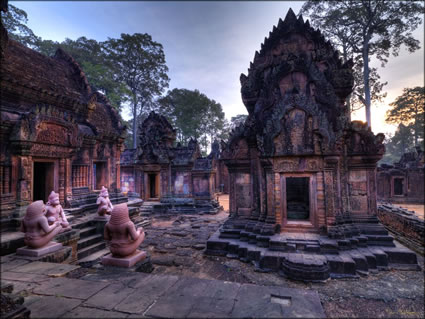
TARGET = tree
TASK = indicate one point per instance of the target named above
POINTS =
(98, 67)
(237, 120)
(409, 110)
(368, 28)
(193, 115)
(140, 64)
(15, 20)
(398, 144)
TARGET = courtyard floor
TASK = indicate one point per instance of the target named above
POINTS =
(177, 285)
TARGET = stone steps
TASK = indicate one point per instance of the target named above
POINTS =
(94, 257)
(90, 240)
(90, 250)
(87, 231)
(313, 260)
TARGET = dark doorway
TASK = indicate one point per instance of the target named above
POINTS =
(43, 182)
(398, 186)
(297, 198)
(153, 192)
(99, 175)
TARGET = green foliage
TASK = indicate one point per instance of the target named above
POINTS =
(15, 20)
(140, 65)
(363, 29)
(237, 120)
(398, 144)
(131, 68)
(98, 67)
(193, 115)
(409, 109)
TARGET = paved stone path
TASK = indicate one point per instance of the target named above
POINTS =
(112, 293)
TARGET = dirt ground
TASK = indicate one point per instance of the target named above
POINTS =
(176, 246)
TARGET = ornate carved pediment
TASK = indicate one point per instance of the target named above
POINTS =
(156, 139)
(55, 134)
(296, 69)
(47, 126)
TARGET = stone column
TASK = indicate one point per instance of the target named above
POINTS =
(62, 180)
(332, 195)
(68, 179)
(270, 217)
(232, 200)
(255, 213)
(371, 177)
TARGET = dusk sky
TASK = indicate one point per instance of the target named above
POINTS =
(207, 45)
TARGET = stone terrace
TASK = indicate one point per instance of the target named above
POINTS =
(175, 247)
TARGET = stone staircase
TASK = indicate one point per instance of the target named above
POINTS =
(91, 239)
(350, 249)
(84, 200)
(92, 246)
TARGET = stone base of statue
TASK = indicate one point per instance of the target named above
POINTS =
(125, 262)
(38, 252)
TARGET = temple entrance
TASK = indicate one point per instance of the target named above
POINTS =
(43, 180)
(297, 198)
(298, 193)
(153, 185)
(398, 186)
(99, 175)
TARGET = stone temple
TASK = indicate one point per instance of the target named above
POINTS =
(56, 133)
(167, 175)
(403, 182)
(302, 175)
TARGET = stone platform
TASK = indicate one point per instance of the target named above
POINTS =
(355, 249)
(123, 294)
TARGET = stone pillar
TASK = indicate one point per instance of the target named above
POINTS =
(255, 213)
(62, 180)
(371, 177)
(25, 181)
(332, 194)
(68, 179)
(232, 200)
(270, 196)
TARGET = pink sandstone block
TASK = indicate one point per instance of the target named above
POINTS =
(125, 262)
(32, 252)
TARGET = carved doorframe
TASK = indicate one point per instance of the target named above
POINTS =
(56, 177)
(312, 221)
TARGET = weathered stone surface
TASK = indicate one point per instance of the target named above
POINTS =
(109, 297)
(275, 302)
(71, 288)
(146, 292)
(46, 268)
(85, 312)
(163, 260)
(26, 277)
(52, 306)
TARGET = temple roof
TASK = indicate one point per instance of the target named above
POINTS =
(59, 74)
(30, 80)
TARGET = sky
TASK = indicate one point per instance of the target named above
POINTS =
(207, 45)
